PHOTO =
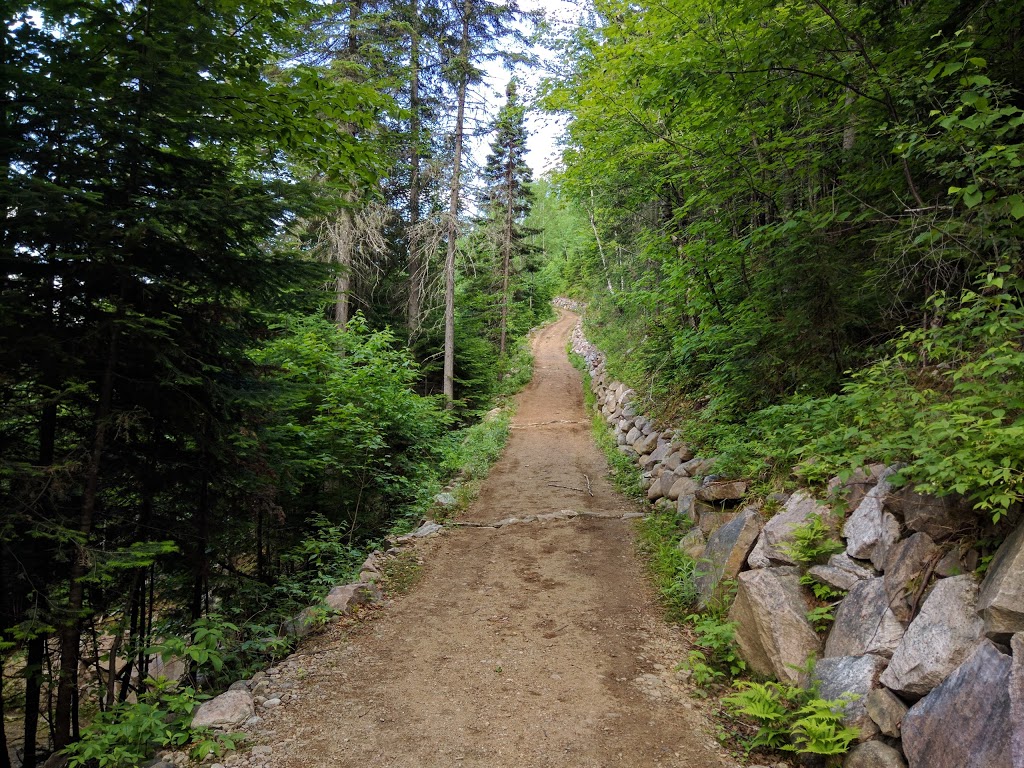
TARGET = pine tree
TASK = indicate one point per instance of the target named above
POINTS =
(144, 188)
(509, 196)
(482, 25)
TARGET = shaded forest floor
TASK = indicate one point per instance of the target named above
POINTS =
(530, 645)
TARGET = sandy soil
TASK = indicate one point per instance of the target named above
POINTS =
(536, 644)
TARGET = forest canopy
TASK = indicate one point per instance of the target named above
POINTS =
(221, 331)
(807, 220)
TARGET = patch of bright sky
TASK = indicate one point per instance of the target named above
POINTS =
(544, 130)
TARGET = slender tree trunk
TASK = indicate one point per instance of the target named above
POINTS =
(201, 530)
(850, 131)
(600, 248)
(36, 646)
(66, 711)
(343, 237)
(506, 253)
(5, 756)
(34, 658)
(414, 303)
(453, 214)
(343, 241)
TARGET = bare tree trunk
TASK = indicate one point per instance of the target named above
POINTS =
(506, 254)
(344, 230)
(33, 688)
(5, 755)
(850, 131)
(453, 214)
(343, 237)
(66, 712)
(600, 248)
(414, 304)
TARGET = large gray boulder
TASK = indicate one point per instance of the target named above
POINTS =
(939, 517)
(658, 487)
(685, 452)
(345, 597)
(1001, 600)
(724, 555)
(907, 564)
(1017, 699)
(672, 461)
(722, 490)
(772, 633)
(633, 435)
(710, 518)
(682, 486)
(886, 710)
(660, 453)
(841, 572)
(302, 623)
(686, 507)
(874, 754)
(697, 467)
(864, 623)
(852, 491)
(857, 675)
(938, 640)
(965, 722)
(647, 464)
(870, 530)
(776, 538)
(646, 444)
(229, 709)
(693, 543)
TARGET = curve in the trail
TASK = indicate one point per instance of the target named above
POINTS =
(529, 645)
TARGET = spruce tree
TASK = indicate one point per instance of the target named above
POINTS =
(145, 189)
(509, 196)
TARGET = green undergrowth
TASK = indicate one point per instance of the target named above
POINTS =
(223, 648)
(469, 453)
(468, 457)
(400, 573)
(945, 401)
(674, 572)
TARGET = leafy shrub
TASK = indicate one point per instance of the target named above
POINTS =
(716, 654)
(126, 734)
(947, 401)
(350, 439)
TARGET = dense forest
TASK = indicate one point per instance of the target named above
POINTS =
(256, 292)
(804, 229)
(253, 299)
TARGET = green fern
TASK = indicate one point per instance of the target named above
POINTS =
(791, 718)
(819, 729)
(812, 542)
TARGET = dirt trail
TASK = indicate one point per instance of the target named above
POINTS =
(531, 645)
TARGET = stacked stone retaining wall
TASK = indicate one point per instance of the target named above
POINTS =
(931, 646)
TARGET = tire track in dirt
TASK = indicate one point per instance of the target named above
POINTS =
(530, 645)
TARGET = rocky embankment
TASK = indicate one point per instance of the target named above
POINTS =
(933, 652)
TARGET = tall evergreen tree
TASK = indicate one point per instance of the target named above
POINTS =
(144, 186)
(482, 26)
(509, 196)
